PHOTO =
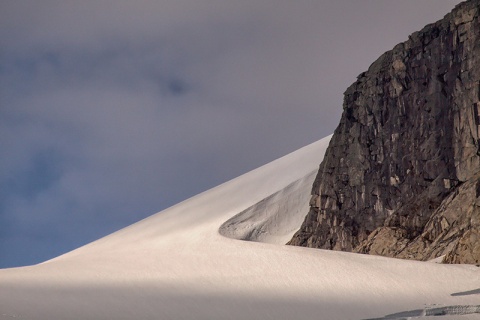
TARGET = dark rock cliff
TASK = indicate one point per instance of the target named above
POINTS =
(400, 175)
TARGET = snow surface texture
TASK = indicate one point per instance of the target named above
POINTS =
(274, 219)
(176, 265)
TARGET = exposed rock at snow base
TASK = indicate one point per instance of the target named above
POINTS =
(399, 177)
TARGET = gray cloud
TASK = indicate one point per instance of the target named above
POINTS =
(113, 110)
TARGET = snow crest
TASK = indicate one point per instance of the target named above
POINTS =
(274, 219)
(176, 265)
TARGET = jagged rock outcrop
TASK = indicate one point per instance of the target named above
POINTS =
(400, 175)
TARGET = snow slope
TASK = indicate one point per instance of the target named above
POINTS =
(176, 265)
(274, 219)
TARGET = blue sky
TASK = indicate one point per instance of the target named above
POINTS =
(111, 111)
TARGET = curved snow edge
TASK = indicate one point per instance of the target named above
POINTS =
(275, 218)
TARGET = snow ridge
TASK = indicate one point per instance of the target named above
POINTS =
(176, 265)
(274, 219)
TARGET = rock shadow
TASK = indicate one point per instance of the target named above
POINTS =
(466, 293)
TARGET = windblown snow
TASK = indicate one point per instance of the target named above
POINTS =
(274, 219)
(186, 263)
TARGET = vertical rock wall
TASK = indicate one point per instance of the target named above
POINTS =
(408, 139)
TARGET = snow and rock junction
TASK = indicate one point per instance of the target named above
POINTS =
(177, 265)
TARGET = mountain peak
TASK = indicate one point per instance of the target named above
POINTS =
(406, 149)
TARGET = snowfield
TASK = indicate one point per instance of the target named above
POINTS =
(186, 263)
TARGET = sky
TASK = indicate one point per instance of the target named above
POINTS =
(111, 111)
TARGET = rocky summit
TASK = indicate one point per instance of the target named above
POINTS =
(401, 176)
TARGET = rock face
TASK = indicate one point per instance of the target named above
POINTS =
(400, 176)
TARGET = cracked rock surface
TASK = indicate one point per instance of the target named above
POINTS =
(400, 176)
